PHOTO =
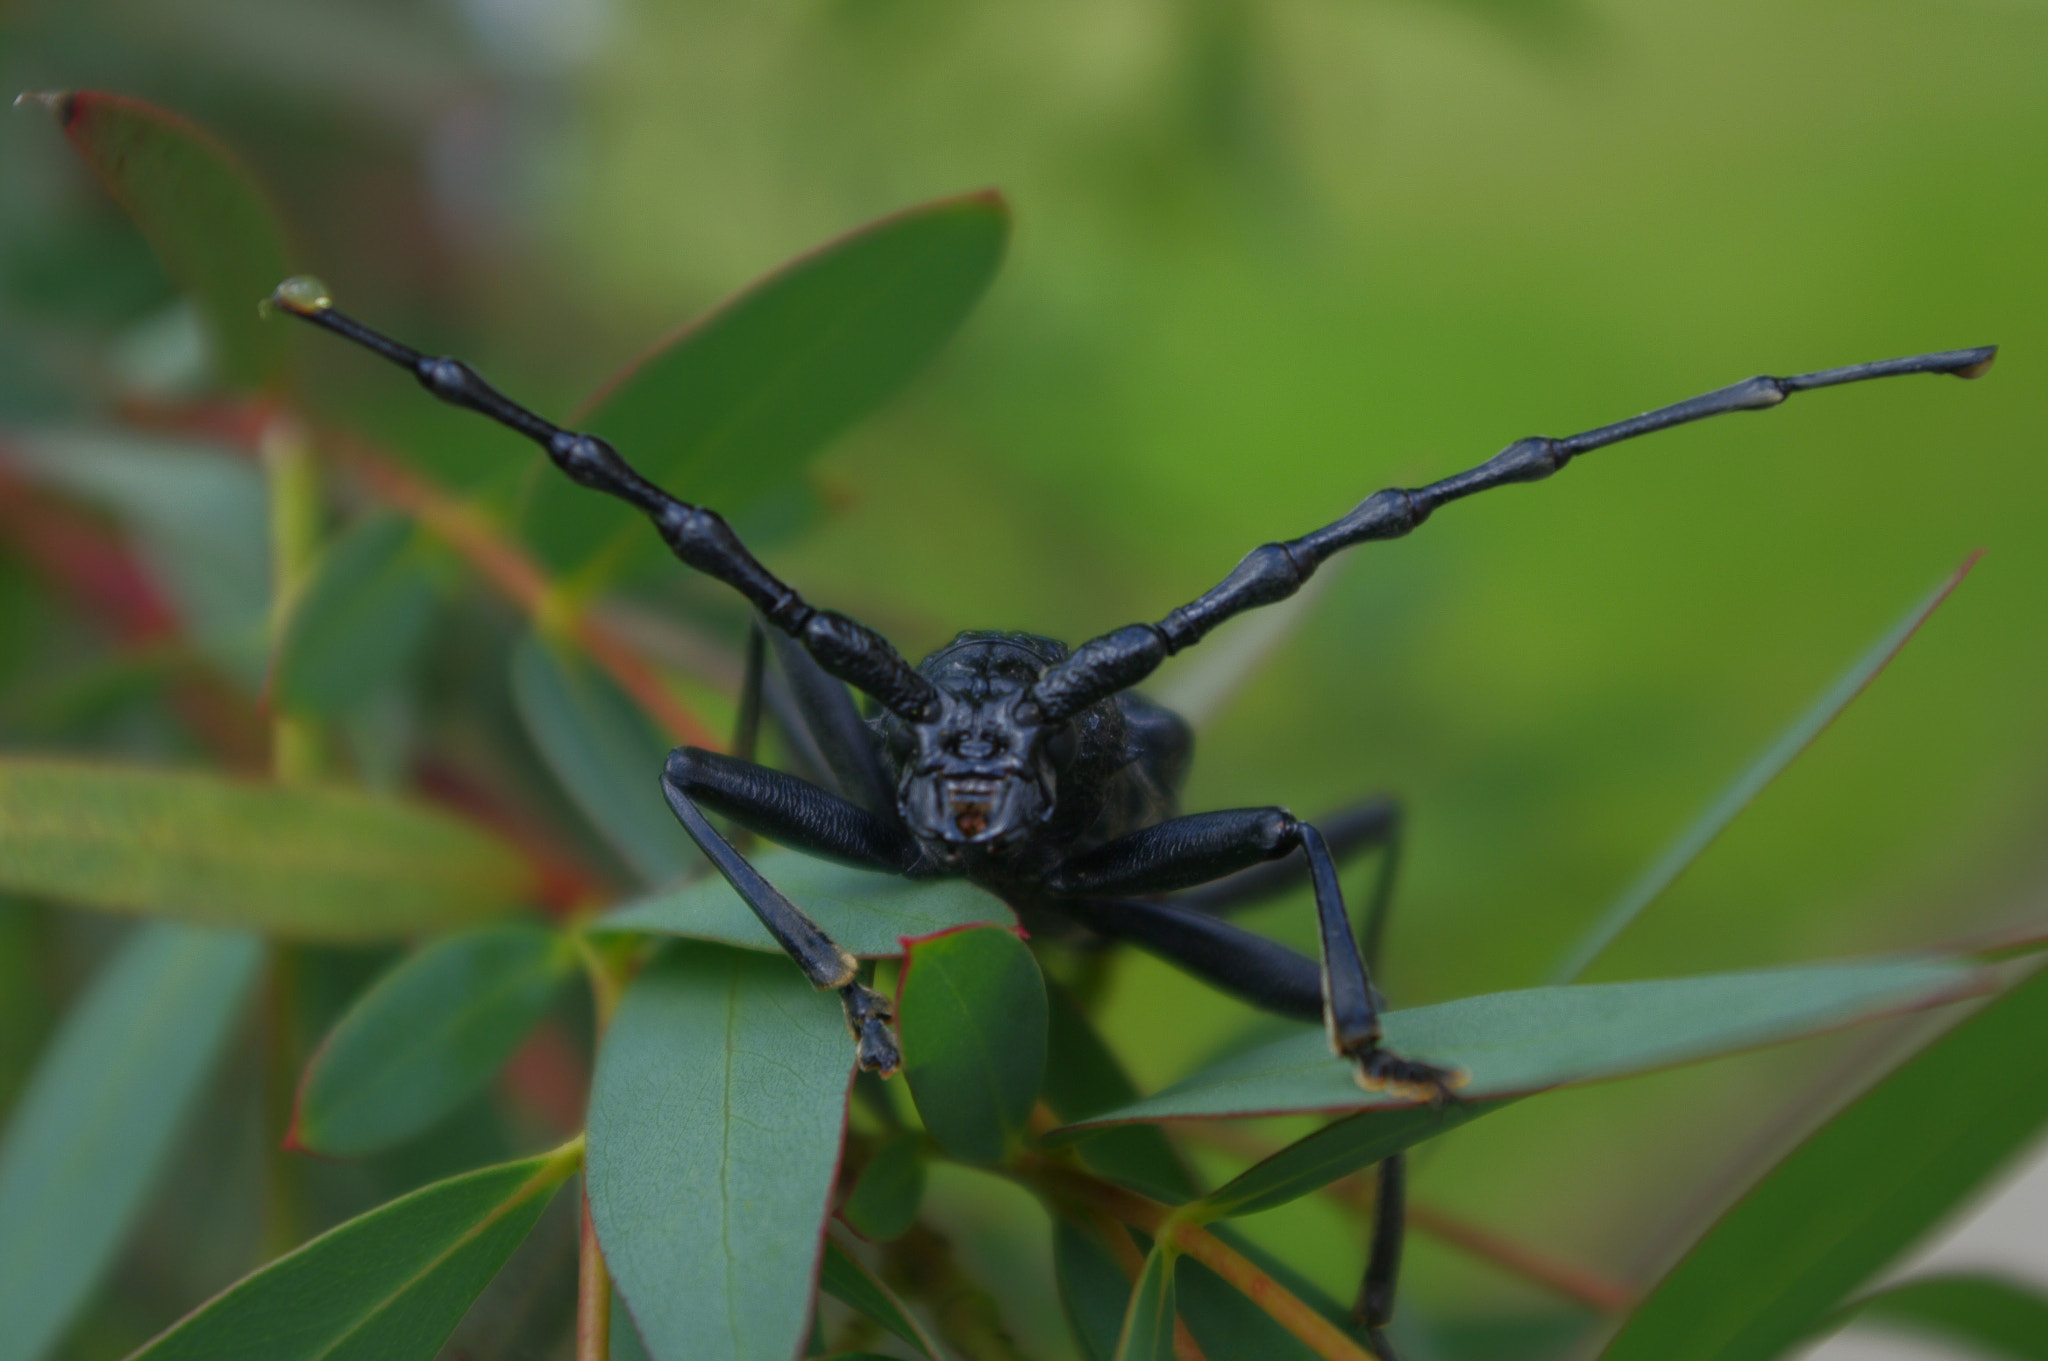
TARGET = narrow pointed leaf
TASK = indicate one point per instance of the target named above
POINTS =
(1996, 1317)
(427, 1037)
(1334, 1151)
(1752, 782)
(846, 1280)
(358, 622)
(868, 913)
(1083, 1078)
(103, 1112)
(715, 1122)
(297, 862)
(1856, 1194)
(389, 1285)
(724, 412)
(203, 213)
(606, 755)
(1148, 1323)
(885, 1199)
(1515, 1043)
(972, 1012)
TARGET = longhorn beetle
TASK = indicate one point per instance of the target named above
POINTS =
(1036, 772)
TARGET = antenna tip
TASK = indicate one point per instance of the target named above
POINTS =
(302, 295)
(1977, 368)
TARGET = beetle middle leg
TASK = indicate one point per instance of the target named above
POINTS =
(795, 812)
(1186, 851)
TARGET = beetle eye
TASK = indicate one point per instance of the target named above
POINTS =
(1063, 746)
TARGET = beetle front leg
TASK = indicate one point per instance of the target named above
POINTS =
(1183, 852)
(771, 803)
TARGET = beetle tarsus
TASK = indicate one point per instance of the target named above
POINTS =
(869, 1015)
(1379, 1070)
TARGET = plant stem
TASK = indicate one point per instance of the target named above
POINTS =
(1132, 1263)
(593, 1294)
(294, 487)
(1285, 1308)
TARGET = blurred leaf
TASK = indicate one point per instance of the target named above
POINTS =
(206, 218)
(868, 913)
(606, 755)
(297, 862)
(1148, 1324)
(724, 412)
(1857, 1193)
(1514, 1043)
(885, 1200)
(1093, 1291)
(197, 517)
(388, 1285)
(715, 1121)
(427, 1037)
(972, 1012)
(1334, 1151)
(1752, 782)
(357, 623)
(102, 1114)
(1083, 1078)
(1997, 1317)
(846, 1280)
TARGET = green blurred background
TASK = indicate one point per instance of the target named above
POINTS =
(1268, 258)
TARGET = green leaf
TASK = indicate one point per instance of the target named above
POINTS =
(972, 1012)
(885, 1200)
(1334, 1151)
(1148, 1324)
(386, 1286)
(203, 213)
(846, 1280)
(296, 862)
(1093, 1291)
(869, 914)
(102, 1114)
(715, 1123)
(1083, 1078)
(724, 412)
(358, 622)
(1997, 1317)
(1752, 782)
(1515, 1043)
(427, 1037)
(606, 755)
(1856, 1194)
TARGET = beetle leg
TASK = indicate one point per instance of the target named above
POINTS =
(785, 808)
(1186, 851)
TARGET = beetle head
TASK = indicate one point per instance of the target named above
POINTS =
(983, 773)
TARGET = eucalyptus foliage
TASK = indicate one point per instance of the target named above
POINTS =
(571, 947)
